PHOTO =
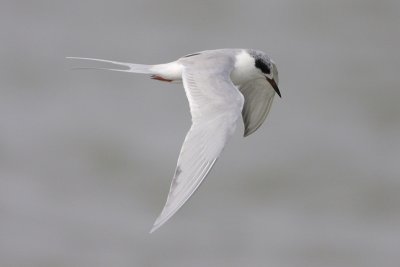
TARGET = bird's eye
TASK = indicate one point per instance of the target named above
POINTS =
(265, 68)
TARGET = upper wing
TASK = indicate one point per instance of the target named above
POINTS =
(215, 105)
(258, 96)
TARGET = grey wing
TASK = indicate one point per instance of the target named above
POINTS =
(258, 96)
(215, 105)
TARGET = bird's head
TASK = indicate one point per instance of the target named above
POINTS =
(268, 69)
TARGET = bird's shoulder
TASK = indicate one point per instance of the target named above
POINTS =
(212, 60)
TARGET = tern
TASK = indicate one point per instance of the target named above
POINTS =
(221, 86)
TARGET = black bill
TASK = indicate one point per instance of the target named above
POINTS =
(274, 85)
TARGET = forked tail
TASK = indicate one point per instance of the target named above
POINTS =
(133, 68)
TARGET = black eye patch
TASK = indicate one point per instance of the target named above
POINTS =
(262, 66)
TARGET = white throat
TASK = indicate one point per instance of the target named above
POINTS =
(244, 69)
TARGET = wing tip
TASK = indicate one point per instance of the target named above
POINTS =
(249, 131)
(167, 213)
(155, 226)
(246, 133)
(153, 229)
(161, 219)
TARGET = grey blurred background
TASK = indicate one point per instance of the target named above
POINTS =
(86, 157)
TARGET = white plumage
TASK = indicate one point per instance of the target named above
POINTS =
(221, 86)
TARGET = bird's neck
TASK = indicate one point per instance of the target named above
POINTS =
(244, 69)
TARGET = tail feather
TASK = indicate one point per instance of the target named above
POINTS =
(133, 68)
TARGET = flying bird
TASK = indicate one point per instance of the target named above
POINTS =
(221, 86)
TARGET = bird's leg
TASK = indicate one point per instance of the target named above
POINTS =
(159, 78)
